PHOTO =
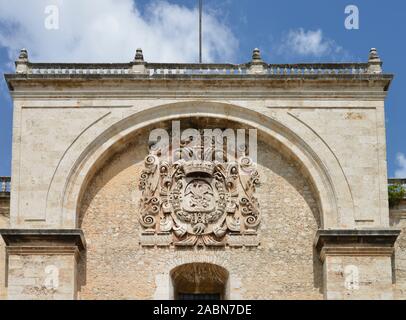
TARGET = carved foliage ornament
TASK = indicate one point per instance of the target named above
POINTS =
(198, 202)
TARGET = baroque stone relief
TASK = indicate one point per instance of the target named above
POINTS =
(199, 202)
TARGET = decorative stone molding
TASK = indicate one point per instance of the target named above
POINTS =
(356, 242)
(36, 241)
(149, 239)
(199, 202)
(243, 240)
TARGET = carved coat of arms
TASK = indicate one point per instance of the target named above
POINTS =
(199, 202)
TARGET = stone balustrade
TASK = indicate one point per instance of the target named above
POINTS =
(76, 68)
(197, 69)
(255, 66)
(5, 184)
(326, 68)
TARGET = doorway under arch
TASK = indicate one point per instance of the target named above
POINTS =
(200, 281)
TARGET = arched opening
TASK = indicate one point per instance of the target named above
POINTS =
(199, 281)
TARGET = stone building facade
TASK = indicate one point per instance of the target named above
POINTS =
(97, 213)
(398, 221)
(4, 223)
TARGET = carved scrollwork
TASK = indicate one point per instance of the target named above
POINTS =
(199, 202)
(166, 224)
(148, 221)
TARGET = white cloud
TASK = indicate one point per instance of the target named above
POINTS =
(401, 173)
(111, 30)
(308, 43)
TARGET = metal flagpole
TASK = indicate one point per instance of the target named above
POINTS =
(200, 30)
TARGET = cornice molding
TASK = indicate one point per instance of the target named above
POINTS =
(202, 83)
(356, 242)
(41, 240)
(200, 94)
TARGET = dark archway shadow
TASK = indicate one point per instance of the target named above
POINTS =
(199, 281)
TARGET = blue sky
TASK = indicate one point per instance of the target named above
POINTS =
(285, 31)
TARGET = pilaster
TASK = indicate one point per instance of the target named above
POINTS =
(357, 264)
(42, 264)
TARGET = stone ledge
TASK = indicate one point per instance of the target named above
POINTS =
(356, 238)
(398, 214)
(43, 238)
(366, 82)
(43, 250)
(4, 195)
(360, 243)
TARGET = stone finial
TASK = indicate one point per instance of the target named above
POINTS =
(22, 62)
(23, 54)
(373, 55)
(139, 56)
(374, 62)
(138, 65)
(256, 56)
(257, 65)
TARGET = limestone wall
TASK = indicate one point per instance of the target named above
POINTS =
(41, 276)
(285, 265)
(5, 207)
(398, 221)
(79, 147)
(346, 136)
(355, 277)
(4, 223)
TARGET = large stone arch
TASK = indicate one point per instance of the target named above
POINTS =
(99, 142)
